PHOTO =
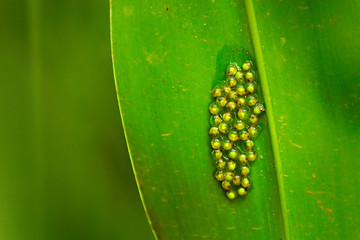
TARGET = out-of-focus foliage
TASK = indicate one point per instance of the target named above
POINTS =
(64, 167)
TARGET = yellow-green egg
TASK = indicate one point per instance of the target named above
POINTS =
(215, 120)
(233, 135)
(227, 144)
(216, 92)
(231, 165)
(220, 164)
(243, 113)
(231, 70)
(258, 108)
(231, 194)
(233, 96)
(239, 124)
(254, 131)
(214, 131)
(231, 106)
(243, 135)
(216, 143)
(221, 101)
(226, 185)
(231, 82)
(241, 102)
(240, 89)
(239, 76)
(247, 65)
(214, 108)
(216, 154)
(252, 100)
(249, 76)
(223, 127)
(249, 144)
(245, 171)
(226, 90)
(245, 182)
(251, 156)
(227, 117)
(233, 153)
(253, 119)
(237, 180)
(251, 87)
(229, 175)
(220, 175)
(242, 158)
(242, 191)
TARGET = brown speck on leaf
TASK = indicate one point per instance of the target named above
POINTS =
(195, 36)
(268, 13)
(313, 175)
(295, 145)
(255, 228)
(329, 210)
(309, 192)
(285, 175)
(165, 54)
(166, 8)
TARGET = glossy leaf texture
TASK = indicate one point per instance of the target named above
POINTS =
(167, 56)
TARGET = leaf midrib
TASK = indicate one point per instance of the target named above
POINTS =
(250, 14)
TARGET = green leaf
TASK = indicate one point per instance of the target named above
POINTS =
(64, 168)
(168, 55)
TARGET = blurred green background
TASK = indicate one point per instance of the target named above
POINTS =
(64, 168)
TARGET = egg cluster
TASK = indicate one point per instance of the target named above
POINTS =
(234, 126)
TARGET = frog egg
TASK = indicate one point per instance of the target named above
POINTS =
(237, 180)
(250, 87)
(216, 154)
(233, 135)
(253, 119)
(215, 120)
(258, 108)
(242, 158)
(231, 165)
(221, 101)
(216, 143)
(226, 90)
(220, 164)
(231, 194)
(229, 176)
(247, 65)
(233, 96)
(245, 171)
(242, 191)
(226, 185)
(231, 106)
(220, 175)
(251, 155)
(214, 108)
(227, 144)
(239, 124)
(252, 99)
(231, 70)
(240, 89)
(214, 131)
(254, 131)
(245, 182)
(244, 135)
(227, 117)
(239, 76)
(216, 92)
(241, 102)
(233, 153)
(243, 113)
(249, 144)
(231, 82)
(249, 76)
(223, 127)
